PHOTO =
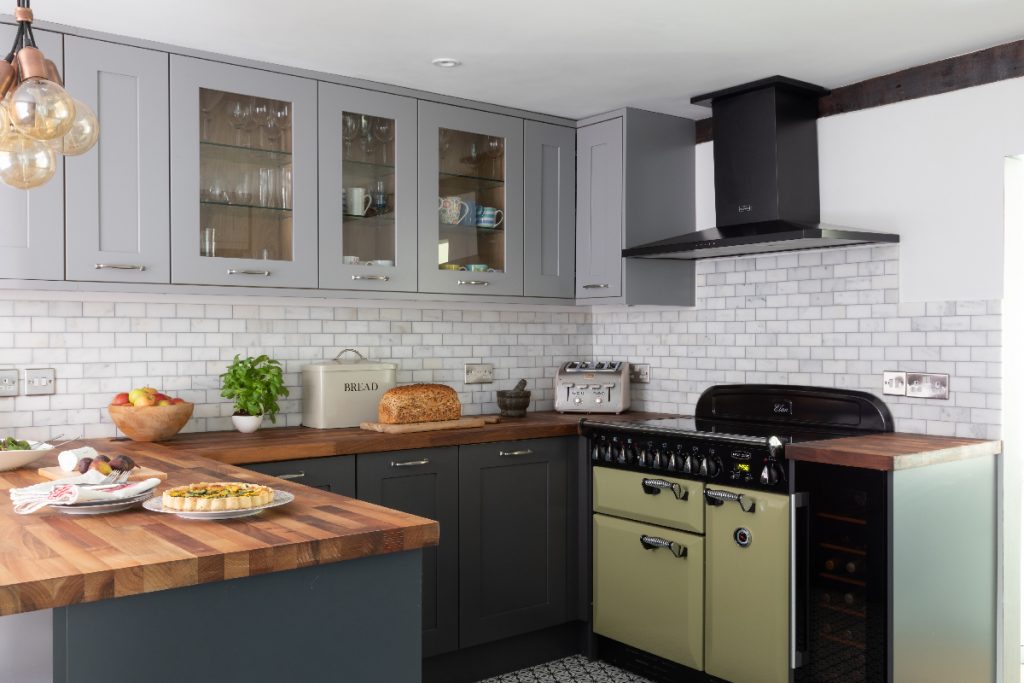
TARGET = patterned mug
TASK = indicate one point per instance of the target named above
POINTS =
(489, 217)
(452, 210)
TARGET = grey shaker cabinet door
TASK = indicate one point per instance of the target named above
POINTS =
(457, 182)
(118, 209)
(424, 482)
(512, 547)
(599, 210)
(32, 222)
(188, 266)
(549, 210)
(397, 228)
(337, 474)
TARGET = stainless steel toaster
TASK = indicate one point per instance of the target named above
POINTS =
(592, 387)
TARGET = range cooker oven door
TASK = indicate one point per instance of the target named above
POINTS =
(648, 583)
(665, 501)
(747, 593)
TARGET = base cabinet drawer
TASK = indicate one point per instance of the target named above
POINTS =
(646, 594)
(665, 501)
(337, 474)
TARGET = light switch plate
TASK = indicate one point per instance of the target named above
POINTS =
(894, 383)
(640, 373)
(8, 382)
(40, 381)
(479, 373)
(927, 385)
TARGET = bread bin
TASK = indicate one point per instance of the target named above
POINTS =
(343, 393)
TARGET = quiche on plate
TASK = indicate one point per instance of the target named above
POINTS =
(217, 497)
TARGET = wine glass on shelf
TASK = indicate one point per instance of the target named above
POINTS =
(282, 116)
(259, 118)
(274, 134)
(384, 130)
(444, 139)
(495, 148)
(240, 113)
(208, 100)
(349, 130)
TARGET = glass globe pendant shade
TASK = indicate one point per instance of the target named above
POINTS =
(84, 133)
(26, 163)
(41, 109)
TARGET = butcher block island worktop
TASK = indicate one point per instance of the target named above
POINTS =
(48, 559)
(891, 452)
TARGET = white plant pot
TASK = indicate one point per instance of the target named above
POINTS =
(247, 424)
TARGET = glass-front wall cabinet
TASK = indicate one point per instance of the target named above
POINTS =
(367, 190)
(243, 170)
(471, 201)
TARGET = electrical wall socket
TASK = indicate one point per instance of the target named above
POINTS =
(8, 382)
(927, 385)
(640, 373)
(40, 381)
(479, 373)
(894, 383)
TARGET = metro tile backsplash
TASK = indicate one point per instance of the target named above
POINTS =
(828, 318)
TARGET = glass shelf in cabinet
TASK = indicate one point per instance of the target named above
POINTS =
(215, 151)
(230, 205)
(457, 183)
(457, 228)
(369, 166)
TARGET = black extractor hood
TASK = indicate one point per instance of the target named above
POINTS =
(766, 177)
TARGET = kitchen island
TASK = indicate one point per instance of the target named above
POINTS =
(326, 587)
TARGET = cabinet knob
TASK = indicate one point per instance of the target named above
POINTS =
(119, 266)
(264, 273)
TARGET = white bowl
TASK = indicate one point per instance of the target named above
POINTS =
(12, 460)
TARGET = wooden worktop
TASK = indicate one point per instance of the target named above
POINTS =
(890, 452)
(49, 559)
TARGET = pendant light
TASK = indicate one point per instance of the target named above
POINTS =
(38, 118)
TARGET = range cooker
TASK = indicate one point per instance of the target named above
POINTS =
(715, 558)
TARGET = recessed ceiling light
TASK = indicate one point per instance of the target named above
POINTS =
(446, 62)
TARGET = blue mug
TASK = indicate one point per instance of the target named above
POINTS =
(489, 217)
(471, 215)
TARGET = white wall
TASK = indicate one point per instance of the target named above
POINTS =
(930, 169)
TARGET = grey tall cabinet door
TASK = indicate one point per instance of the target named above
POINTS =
(599, 210)
(424, 482)
(32, 222)
(367, 149)
(549, 210)
(243, 176)
(118, 209)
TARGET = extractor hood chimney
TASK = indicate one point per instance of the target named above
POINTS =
(766, 177)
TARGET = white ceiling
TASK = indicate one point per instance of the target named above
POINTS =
(570, 58)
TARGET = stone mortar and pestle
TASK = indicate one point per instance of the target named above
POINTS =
(513, 402)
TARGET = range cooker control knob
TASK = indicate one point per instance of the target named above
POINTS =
(577, 400)
(769, 475)
(689, 466)
(703, 469)
(598, 400)
(710, 466)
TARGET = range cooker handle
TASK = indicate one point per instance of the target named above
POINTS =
(655, 542)
(716, 497)
(654, 486)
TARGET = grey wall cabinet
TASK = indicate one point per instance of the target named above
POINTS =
(337, 474)
(32, 228)
(512, 545)
(243, 189)
(549, 210)
(635, 184)
(367, 149)
(470, 161)
(424, 482)
(118, 207)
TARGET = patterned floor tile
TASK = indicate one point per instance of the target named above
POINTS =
(575, 669)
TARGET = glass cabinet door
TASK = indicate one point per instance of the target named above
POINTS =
(367, 190)
(471, 201)
(243, 166)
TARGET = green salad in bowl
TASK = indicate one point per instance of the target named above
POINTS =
(12, 444)
(15, 453)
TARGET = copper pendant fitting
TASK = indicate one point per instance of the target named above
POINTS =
(8, 75)
(23, 14)
(53, 74)
(32, 63)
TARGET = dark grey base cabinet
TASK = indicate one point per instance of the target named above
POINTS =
(337, 474)
(512, 546)
(424, 482)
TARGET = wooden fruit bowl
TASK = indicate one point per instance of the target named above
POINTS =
(151, 423)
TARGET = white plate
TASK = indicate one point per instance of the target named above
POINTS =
(156, 504)
(12, 460)
(102, 508)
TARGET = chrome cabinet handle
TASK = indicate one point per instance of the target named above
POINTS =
(411, 463)
(600, 286)
(482, 283)
(119, 266)
(295, 475)
(512, 454)
(232, 271)
(715, 497)
(654, 486)
(382, 278)
(655, 542)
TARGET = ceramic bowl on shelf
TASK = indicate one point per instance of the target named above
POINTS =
(151, 423)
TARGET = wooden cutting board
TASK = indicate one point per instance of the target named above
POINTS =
(461, 423)
(138, 474)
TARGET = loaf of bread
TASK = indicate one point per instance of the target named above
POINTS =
(419, 403)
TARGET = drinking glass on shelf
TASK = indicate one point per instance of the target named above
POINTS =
(240, 114)
(208, 100)
(495, 148)
(473, 158)
(445, 142)
(384, 130)
(274, 134)
(282, 117)
(260, 117)
(208, 244)
(269, 191)
(243, 189)
(285, 191)
(349, 130)
(380, 198)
